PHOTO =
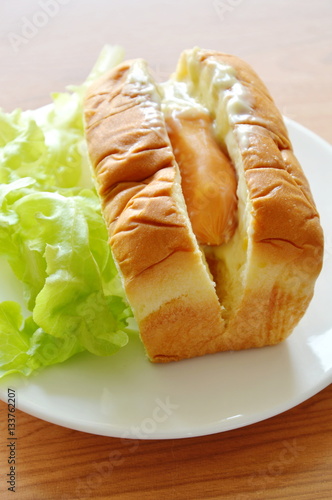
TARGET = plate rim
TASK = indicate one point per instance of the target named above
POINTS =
(115, 431)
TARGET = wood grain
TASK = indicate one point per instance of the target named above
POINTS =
(287, 456)
(289, 43)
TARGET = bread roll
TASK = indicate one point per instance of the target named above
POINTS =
(191, 299)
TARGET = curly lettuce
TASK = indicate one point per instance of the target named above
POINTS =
(53, 236)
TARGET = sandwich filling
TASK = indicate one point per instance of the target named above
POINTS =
(208, 177)
(209, 159)
(198, 185)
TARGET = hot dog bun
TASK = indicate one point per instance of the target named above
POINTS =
(191, 299)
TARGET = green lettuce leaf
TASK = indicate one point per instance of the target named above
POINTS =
(25, 347)
(54, 237)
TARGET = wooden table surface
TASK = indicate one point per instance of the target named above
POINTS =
(48, 44)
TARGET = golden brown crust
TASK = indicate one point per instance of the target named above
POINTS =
(283, 206)
(188, 322)
(265, 275)
(284, 240)
(149, 230)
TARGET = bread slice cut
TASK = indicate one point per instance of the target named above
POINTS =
(191, 300)
(266, 274)
(166, 279)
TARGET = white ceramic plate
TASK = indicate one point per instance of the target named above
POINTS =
(126, 396)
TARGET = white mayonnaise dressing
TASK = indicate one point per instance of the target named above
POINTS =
(233, 101)
(176, 99)
(173, 96)
(146, 93)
